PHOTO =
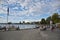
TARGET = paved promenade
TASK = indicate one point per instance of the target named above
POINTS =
(50, 35)
(30, 34)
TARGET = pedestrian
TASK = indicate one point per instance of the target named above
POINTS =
(52, 28)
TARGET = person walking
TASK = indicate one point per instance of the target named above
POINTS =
(52, 28)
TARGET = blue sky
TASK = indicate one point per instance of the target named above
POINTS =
(27, 10)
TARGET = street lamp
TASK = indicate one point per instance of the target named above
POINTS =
(7, 13)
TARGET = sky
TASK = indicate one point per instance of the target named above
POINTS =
(27, 10)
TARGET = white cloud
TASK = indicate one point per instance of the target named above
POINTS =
(1, 2)
(34, 7)
(15, 8)
(3, 20)
(3, 10)
(11, 1)
(38, 6)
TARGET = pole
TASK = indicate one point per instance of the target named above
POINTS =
(7, 18)
(7, 13)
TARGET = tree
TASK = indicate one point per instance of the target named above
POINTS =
(55, 18)
(43, 21)
(9, 22)
(28, 23)
(48, 20)
(59, 18)
(23, 22)
(36, 22)
(20, 22)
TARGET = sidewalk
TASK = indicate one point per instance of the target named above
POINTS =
(50, 35)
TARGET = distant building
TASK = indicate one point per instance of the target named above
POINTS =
(58, 25)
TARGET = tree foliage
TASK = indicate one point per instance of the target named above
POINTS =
(43, 21)
(55, 18)
(23, 21)
(48, 20)
(9, 22)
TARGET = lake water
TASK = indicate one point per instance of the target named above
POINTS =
(21, 26)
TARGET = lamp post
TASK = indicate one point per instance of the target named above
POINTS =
(7, 13)
(7, 10)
